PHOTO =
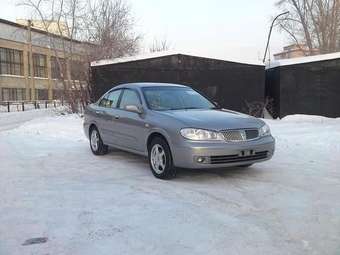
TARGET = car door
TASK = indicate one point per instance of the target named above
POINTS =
(109, 117)
(100, 117)
(131, 126)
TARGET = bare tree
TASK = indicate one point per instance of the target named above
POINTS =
(315, 23)
(58, 11)
(105, 27)
(109, 25)
(157, 45)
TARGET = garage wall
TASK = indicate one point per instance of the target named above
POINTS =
(230, 84)
(310, 88)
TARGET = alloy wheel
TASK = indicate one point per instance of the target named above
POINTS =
(94, 140)
(158, 159)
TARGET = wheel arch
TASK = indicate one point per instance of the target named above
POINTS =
(92, 126)
(153, 135)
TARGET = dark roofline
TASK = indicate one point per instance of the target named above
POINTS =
(216, 59)
(140, 58)
(11, 23)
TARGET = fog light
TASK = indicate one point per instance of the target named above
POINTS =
(200, 159)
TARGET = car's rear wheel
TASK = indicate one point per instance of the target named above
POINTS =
(160, 159)
(96, 143)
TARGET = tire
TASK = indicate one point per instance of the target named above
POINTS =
(160, 159)
(246, 166)
(96, 143)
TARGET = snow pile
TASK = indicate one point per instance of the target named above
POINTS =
(310, 137)
(309, 118)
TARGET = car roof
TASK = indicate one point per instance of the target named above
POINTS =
(148, 84)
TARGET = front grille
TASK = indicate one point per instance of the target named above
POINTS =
(252, 133)
(240, 135)
(224, 159)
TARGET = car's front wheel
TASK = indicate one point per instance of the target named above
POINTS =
(160, 159)
(96, 143)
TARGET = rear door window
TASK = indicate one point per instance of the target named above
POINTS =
(111, 99)
(103, 101)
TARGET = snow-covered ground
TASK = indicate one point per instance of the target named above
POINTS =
(52, 186)
(15, 119)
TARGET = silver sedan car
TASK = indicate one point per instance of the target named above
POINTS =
(175, 127)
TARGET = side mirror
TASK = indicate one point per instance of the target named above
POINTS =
(134, 108)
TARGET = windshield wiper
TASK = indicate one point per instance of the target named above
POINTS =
(185, 108)
(190, 108)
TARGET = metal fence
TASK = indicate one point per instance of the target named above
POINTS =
(16, 106)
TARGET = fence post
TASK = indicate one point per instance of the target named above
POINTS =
(35, 104)
(8, 106)
(46, 104)
(54, 104)
(23, 106)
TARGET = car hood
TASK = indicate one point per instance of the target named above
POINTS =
(214, 119)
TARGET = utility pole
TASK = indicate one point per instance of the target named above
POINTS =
(30, 59)
(270, 33)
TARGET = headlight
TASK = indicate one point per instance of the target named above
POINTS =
(265, 130)
(201, 135)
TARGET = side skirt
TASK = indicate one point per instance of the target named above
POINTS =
(141, 153)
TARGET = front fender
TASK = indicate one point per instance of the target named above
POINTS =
(159, 131)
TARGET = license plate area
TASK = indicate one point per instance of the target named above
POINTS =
(247, 153)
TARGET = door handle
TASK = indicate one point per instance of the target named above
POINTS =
(99, 112)
(117, 117)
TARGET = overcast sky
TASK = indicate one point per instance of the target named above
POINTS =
(218, 28)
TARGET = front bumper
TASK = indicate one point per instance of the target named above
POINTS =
(217, 155)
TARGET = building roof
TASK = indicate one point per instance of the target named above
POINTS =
(54, 27)
(302, 60)
(4, 21)
(166, 54)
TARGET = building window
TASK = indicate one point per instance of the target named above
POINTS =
(13, 94)
(11, 62)
(21, 94)
(39, 65)
(56, 73)
(6, 96)
(41, 94)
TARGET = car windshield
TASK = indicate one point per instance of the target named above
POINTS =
(175, 98)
